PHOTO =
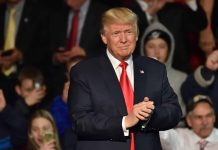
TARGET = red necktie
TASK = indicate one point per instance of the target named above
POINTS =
(74, 29)
(127, 93)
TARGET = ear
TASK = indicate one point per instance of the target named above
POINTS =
(188, 120)
(18, 90)
(104, 39)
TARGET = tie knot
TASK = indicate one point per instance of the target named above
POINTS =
(123, 64)
(76, 11)
(203, 143)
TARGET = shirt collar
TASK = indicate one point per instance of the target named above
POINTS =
(210, 138)
(115, 62)
(143, 4)
(84, 7)
(19, 6)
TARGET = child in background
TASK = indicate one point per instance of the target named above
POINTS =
(157, 42)
(42, 132)
(31, 91)
(59, 109)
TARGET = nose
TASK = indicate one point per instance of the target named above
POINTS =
(123, 37)
(204, 121)
(157, 51)
(40, 133)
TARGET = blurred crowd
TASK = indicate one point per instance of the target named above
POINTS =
(41, 40)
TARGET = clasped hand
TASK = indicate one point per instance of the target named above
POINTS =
(140, 111)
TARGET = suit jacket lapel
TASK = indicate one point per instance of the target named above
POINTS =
(113, 84)
(140, 75)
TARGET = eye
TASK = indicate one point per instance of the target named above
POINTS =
(34, 129)
(115, 34)
(129, 31)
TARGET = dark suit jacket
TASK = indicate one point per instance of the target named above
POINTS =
(97, 104)
(31, 40)
(32, 37)
(90, 36)
(180, 20)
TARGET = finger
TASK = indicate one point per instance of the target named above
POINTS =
(151, 106)
(146, 99)
(142, 115)
(147, 110)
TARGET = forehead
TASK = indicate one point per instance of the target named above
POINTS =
(156, 40)
(26, 82)
(118, 27)
(39, 122)
(202, 109)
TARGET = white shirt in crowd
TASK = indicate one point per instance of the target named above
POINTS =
(186, 139)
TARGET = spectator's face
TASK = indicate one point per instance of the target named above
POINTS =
(120, 40)
(25, 88)
(202, 120)
(157, 49)
(39, 126)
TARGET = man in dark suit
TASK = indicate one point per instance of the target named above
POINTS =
(30, 40)
(88, 41)
(97, 100)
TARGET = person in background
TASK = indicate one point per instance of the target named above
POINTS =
(121, 111)
(179, 18)
(201, 133)
(42, 132)
(204, 81)
(13, 126)
(31, 91)
(207, 40)
(23, 40)
(157, 42)
(74, 31)
(59, 110)
(203, 43)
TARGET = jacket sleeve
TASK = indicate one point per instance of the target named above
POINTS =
(89, 122)
(167, 113)
(198, 82)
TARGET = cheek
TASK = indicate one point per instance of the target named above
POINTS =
(163, 55)
(37, 138)
(149, 52)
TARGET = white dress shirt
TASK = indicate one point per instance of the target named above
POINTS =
(130, 73)
(186, 139)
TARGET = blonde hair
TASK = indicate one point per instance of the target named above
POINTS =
(119, 15)
(46, 115)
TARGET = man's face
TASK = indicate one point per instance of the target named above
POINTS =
(202, 120)
(120, 40)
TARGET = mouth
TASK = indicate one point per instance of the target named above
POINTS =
(123, 47)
